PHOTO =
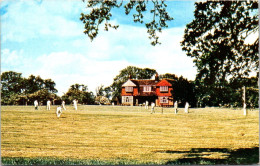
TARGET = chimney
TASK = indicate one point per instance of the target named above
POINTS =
(156, 77)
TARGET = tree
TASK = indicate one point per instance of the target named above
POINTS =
(12, 82)
(79, 92)
(36, 83)
(19, 90)
(43, 95)
(216, 39)
(102, 100)
(129, 72)
(101, 12)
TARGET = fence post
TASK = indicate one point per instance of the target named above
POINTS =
(244, 100)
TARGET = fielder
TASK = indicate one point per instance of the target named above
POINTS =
(175, 107)
(63, 105)
(36, 105)
(75, 104)
(48, 105)
(58, 112)
(146, 105)
(152, 108)
(187, 107)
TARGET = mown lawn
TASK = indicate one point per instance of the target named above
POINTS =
(128, 135)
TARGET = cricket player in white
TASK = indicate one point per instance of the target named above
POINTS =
(75, 104)
(146, 105)
(36, 105)
(187, 107)
(63, 105)
(58, 112)
(152, 108)
(175, 107)
(48, 105)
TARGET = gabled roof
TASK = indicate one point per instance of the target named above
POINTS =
(145, 82)
(163, 83)
(128, 83)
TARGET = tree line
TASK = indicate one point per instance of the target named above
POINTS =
(17, 90)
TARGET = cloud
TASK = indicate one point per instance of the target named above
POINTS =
(60, 51)
(29, 19)
(67, 69)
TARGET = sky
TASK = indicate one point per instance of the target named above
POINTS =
(45, 38)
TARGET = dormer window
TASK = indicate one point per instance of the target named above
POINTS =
(147, 89)
(164, 88)
(129, 89)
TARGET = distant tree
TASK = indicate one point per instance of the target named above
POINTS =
(101, 12)
(102, 100)
(103, 91)
(12, 82)
(50, 86)
(129, 72)
(36, 83)
(17, 89)
(79, 92)
(42, 96)
(100, 90)
(168, 76)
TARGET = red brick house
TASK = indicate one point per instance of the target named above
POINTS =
(136, 92)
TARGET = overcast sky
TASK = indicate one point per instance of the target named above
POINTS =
(46, 38)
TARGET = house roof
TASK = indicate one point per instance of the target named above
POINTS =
(145, 82)
(163, 83)
(128, 83)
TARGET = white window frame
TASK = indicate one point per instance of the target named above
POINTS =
(164, 99)
(164, 89)
(127, 99)
(147, 88)
(129, 89)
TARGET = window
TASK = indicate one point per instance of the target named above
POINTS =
(127, 99)
(129, 89)
(164, 88)
(163, 99)
(147, 89)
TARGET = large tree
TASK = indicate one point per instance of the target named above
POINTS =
(216, 39)
(101, 13)
(126, 73)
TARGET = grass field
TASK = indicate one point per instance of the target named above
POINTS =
(128, 135)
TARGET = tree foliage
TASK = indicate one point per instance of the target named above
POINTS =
(79, 92)
(19, 90)
(101, 12)
(216, 39)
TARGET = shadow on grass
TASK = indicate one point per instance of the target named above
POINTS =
(199, 156)
(196, 156)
